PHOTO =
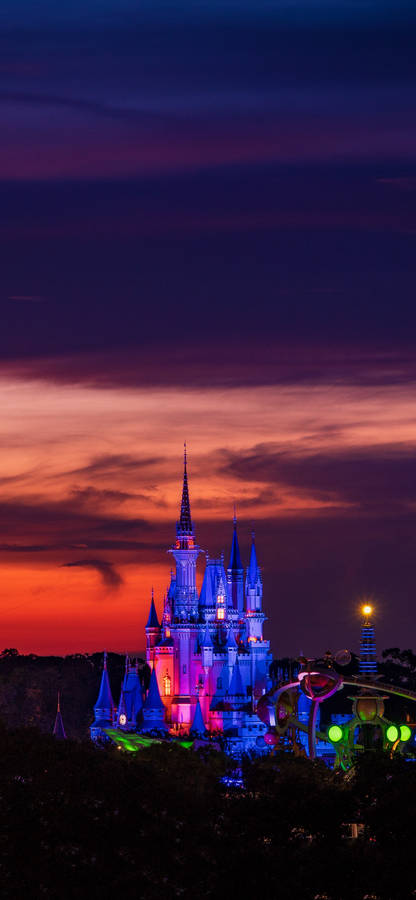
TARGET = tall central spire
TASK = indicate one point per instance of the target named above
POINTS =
(184, 603)
(184, 526)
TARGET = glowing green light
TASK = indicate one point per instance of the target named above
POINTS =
(134, 742)
(392, 733)
(131, 742)
(335, 733)
(405, 733)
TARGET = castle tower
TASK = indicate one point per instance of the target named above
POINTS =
(58, 728)
(254, 596)
(209, 661)
(235, 573)
(104, 707)
(153, 709)
(131, 702)
(153, 630)
(368, 652)
(185, 552)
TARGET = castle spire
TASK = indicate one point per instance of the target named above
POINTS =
(253, 569)
(104, 707)
(235, 571)
(198, 724)
(236, 688)
(254, 595)
(153, 699)
(58, 728)
(184, 526)
(183, 592)
(105, 703)
(235, 558)
(153, 630)
(153, 621)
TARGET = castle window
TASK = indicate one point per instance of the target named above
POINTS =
(220, 598)
(184, 670)
(219, 682)
(166, 685)
(168, 632)
(220, 613)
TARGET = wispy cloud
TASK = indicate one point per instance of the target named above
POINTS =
(110, 576)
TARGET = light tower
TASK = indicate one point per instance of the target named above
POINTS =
(368, 653)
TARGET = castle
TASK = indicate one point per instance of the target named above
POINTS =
(208, 658)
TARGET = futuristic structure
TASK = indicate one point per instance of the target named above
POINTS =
(318, 680)
(208, 656)
(368, 653)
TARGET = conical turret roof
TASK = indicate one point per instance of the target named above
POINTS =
(198, 725)
(153, 699)
(122, 709)
(58, 728)
(236, 688)
(253, 569)
(207, 639)
(105, 700)
(235, 558)
(153, 621)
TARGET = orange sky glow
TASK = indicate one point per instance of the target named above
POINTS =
(77, 461)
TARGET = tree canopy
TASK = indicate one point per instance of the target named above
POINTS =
(80, 821)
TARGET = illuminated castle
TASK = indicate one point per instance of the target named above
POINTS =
(208, 658)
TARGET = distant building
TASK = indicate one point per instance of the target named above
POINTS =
(208, 656)
(58, 728)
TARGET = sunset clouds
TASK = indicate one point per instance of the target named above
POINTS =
(91, 482)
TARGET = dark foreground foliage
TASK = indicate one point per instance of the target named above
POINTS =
(81, 822)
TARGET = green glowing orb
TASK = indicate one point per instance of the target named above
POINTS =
(405, 733)
(335, 733)
(392, 733)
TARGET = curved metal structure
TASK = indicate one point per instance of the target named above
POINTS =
(318, 680)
